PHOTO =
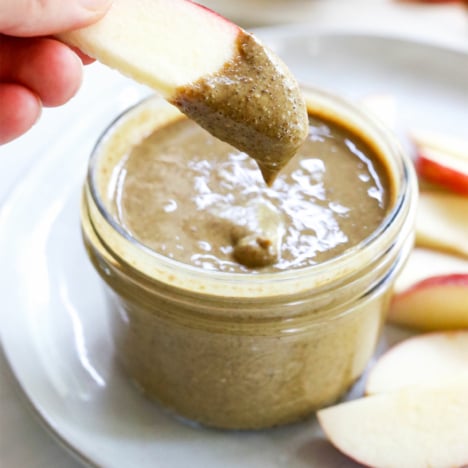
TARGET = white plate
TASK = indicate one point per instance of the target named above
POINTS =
(262, 11)
(54, 332)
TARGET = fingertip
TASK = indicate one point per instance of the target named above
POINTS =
(20, 18)
(85, 59)
(66, 76)
(54, 72)
(20, 110)
(95, 9)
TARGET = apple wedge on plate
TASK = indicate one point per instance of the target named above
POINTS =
(429, 360)
(411, 428)
(442, 222)
(431, 293)
(426, 263)
(436, 303)
(442, 160)
(219, 75)
(417, 411)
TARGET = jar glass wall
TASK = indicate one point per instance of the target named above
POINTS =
(238, 350)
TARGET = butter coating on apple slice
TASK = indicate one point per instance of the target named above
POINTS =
(253, 103)
(216, 73)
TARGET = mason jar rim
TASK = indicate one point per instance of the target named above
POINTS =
(327, 269)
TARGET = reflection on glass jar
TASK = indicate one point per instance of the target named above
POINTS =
(235, 346)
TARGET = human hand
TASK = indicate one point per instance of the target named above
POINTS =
(36, 70)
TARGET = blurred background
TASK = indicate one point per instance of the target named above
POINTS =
(353, 13)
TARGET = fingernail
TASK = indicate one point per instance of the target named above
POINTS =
(98, 6)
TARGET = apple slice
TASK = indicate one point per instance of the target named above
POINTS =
(212, 70)
(162, 43)
(429, 360)
(442, 160)
(437, 303)
(403, 429)
(425, 263)
(442, 222)
(443, 169)
(441, 143)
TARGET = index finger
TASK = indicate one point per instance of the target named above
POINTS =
(27, 18)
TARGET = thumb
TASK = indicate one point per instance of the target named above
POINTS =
(28, 18)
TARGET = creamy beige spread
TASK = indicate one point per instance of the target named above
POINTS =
(253, 103)
(198, 200)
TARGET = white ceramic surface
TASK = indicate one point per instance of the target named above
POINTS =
(53, 328)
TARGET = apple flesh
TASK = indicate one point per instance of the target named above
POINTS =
(403, 429)
(425, 263)
(441, 143)
(442, 160)
(442, 222)
(217, 74)
(437, 303)
(161, 43)
(429, 360)
(443, 169)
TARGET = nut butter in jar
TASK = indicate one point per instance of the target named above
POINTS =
(234, 304)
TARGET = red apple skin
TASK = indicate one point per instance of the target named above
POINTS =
(436, 303)
(440, 174)
(456, 279)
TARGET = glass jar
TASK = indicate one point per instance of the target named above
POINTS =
(244, 351)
